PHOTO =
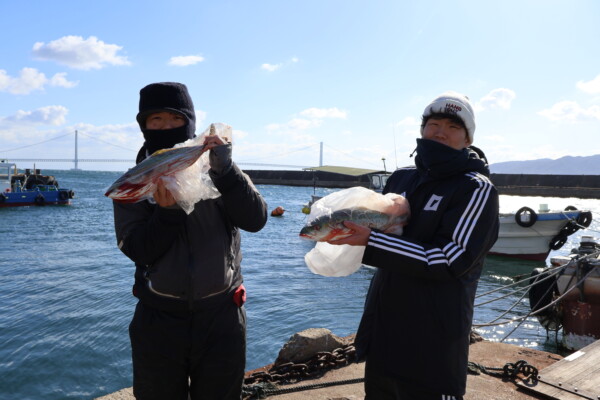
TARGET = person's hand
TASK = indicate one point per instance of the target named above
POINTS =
(220, 154)
(211, 141)
(359, 237)
(399, 207)
(163, 196)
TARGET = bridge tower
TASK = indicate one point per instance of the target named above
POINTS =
(76, 160)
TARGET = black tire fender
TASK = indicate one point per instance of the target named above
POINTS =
(524, 211)
(541, 293)
(584, 218)
(558, 241)
(40, 200)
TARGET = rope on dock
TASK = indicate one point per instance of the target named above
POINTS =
(538, 311)
(510, 371)
(261, 392)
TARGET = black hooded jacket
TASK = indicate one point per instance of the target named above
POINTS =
(419, 308)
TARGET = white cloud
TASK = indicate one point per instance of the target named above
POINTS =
(4, 80)
(296, 128)
(79, 53)
(303, 124)
(275, 67)
(592, 87)
(60, 79)
(200, 117)
(30, 79)
(296, 124)
(321, 113)
(271, 67)
(497, 98)
(50, 115)
(239, 135)
(184, 61)
(120, 136)
(570, 111)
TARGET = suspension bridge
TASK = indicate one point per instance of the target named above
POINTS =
(76, 160)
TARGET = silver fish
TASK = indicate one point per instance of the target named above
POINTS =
(331, 226)
(139, 181)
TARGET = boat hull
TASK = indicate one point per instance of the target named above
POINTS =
(581, 305)
(30, 189)
(533, 242)
(36, 198)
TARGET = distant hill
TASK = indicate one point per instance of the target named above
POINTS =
(568, 165)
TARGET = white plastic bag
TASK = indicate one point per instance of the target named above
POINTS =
(193, 183)
(334, 260)
(342, 260)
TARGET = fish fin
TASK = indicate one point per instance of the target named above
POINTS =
(337, 234)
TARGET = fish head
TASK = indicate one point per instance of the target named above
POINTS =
(325, 229)
(313, 231)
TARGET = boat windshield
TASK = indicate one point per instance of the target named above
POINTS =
(4, 172)
(378, 181)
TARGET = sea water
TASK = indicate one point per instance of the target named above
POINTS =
(66, 302)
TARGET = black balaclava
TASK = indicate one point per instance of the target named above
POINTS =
(171, 97)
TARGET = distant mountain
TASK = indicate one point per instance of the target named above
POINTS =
(568, 165)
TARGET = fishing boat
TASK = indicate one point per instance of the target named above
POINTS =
(530, 235)
(566, 295)
(371, 179)
(30, 188)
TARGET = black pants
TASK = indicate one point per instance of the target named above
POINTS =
(379, 387)
(200, 354)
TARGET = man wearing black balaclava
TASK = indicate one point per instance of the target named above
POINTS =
(188, 333)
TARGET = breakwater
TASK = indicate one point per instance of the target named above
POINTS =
(579, 186)
(307, 178)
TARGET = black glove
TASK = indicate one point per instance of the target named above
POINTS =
(220, 159)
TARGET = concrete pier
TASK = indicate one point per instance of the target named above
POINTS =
(479, 387)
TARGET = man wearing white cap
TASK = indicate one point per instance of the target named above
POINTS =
(414, 333)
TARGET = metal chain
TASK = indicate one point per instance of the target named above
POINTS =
(262, 384)
(318, 364)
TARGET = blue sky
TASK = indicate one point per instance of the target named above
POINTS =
(288, 75)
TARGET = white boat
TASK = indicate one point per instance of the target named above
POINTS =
(530, 235)
(567, 295)
(377, 181)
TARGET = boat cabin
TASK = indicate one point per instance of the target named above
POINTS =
(334, 176)
(6, 176)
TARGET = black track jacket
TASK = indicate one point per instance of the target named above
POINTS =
(419, 308)
(184, 261)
